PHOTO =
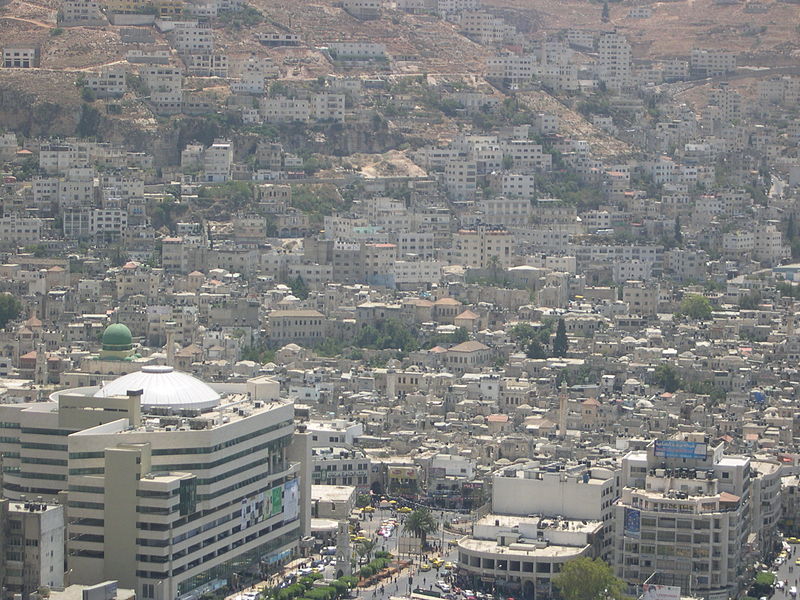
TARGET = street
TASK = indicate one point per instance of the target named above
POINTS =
(411, 578)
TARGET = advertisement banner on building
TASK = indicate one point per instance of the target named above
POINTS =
(291, 500)
(680, 449)
(402, 473)
(277, 500)
(633, 522)
(660, 592)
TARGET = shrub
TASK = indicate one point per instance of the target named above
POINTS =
(367, 571)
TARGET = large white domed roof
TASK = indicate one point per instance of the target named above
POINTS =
(163, 387)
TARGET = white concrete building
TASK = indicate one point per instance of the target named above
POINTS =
(171, 484)
(614, 60)
(33, 546)
(711, 62)
(684, 512)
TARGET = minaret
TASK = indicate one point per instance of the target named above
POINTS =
(170, 345)
(790, 321)
(562, 410)
(40, 372)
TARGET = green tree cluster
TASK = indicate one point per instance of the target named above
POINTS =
(389, 334)
(589, 579)
(10, 308)
(667, 377)
(459, 336)
(695, 307)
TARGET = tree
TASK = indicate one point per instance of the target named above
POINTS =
(299, 287)
(560, 342)
(696, 307)
(587, 579)
(535, 350)
(667, 377)
(364, 549)
(10, 308)
(678, 233)
(605, 16)
(421, 523)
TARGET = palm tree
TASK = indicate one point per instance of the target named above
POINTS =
(421, 523)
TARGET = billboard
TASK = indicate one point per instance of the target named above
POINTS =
(660, 592)
(402, 473)
(680, 449)
(291, 500)
(277, 500)
(633, 522)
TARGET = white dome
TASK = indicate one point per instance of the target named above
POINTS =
(163, 387)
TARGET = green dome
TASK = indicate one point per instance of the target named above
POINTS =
(117, 337)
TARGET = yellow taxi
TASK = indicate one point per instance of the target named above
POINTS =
(437, 562)
(404, 509)
(425, 567)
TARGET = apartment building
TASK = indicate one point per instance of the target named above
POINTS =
(509, 211)
(684, 513)
(207, 64)
(110, 82)
(485, 28)
(461, 178)
(80, 13)
(32, 543)
(340, 465)
(20, 231)
(711, 62)
(217, 161)
(192, 37)
(512, 69)
(614, 60)
(484, 246)
(166, 88)
(281, 109)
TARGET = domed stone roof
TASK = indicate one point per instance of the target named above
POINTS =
(117, 337)
(163, 387)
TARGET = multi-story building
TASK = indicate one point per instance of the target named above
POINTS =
(484, 246)
(299, 326)
(171, 484)
(711, 62)
(20, 231)
(542, 516)
(614, 60)
(80, 13)
(363, 9)
(340, 465)
(33, 546)
(461, 178)
(166, 87)
(684, 513)
(108, 83)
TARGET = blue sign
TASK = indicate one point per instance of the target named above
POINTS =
(632, 522)
(680, 449)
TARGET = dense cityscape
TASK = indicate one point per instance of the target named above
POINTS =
(399, 300)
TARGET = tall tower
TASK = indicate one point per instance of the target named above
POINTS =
(562, 410)
(41, 375)
(171, 344)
